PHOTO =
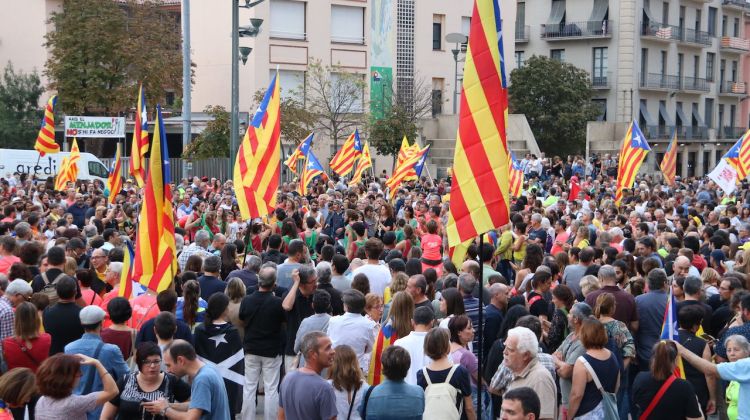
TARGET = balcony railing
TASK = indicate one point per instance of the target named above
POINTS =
(601, 80)
(585, 29)
(522, 33)
(695, 83)
(731, 132)
(733, 43)
(664, 132)
(732, 88)
(675, 33)
(735, 4)
(660, 81)
(691, 133)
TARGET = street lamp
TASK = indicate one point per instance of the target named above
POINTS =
(458, 39)
(245, 31)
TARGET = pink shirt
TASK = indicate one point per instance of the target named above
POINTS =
(562, 238)
(431, 245)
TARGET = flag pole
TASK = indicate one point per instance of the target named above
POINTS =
(480, 341)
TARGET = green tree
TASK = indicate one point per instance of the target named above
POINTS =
(335, 98)
(20, 116)
(214, 140)
(296, 121)
(100, 50)
(556, 99)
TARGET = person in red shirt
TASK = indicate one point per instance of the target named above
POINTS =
(561, 237)
(7, 247)
(27, 347)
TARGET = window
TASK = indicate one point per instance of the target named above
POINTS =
(721, 118)
(437, 95)
(734, 71)
(600, 66)
(519, 59)
(696, 64)
(680, 65)
(732, 115)
(710, 63)
(437, 32)
(169, 98)
(724, 25)
(348, 24)
(736, 28)
(709, 112)
(698, 20)
(665, 13)
(346, 95)
(520, 14)
(644, 64)
(97, 169)
(292, 83)
(663, 63)
(465, 29)
(558, 55)
(601, 105)
(288, 19)
(712, 21)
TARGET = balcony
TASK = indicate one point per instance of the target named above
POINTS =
(601, 81)
(735, 45)
(658, 81)
(730, 132)
(695, 84)
(577, 30)
(732, 88)
(522, 34)
(667, 33)
(739, 5)
(665, 132)
(691, 133)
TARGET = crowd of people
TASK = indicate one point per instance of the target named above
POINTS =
(345, 303)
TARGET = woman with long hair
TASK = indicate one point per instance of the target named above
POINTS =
(217, 329)
(397, 325)
(398, 284)
(147, 382)
(58, 376)
(190, 307)
(461, 335)
(17, 388)
(228, 260)
(678, 399)
(562, 299)
(236, 291)
(27, 348)
(410, 240)
(345, 375)
(451, 304)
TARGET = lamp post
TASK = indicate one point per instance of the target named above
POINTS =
(186, 85)
(237, 32)
(457, 38)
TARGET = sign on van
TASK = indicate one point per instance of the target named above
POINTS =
(100, 127)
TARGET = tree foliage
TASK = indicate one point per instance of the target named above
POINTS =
(335, 98)
(413, 102)
(101, 49)
(296, 121)
(214, 140)
(556, 99)
(20, 115)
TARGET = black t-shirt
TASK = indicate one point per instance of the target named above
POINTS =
(263, 315)
(37, 284)
(62, 322)
(538, 306)
(460, 380)
(302, 309)
(128, 401)
(678, 402)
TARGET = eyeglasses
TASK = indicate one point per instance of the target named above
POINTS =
(152, 363)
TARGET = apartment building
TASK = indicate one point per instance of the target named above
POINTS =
(673, 66)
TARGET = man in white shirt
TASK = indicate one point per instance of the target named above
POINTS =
(378, 274)
(353, 329)
(414, 342)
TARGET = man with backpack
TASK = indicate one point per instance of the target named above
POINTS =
(46, 281)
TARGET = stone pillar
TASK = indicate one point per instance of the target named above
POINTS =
(683, 154)
(699, 162)
(627, 30)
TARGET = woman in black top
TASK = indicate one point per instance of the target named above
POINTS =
(586, 400)
(678, 401)
(437, 347)
(148, 383)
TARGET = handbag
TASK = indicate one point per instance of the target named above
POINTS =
(609, 400)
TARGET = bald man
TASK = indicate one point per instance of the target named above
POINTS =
(682, 267)
(494, 313)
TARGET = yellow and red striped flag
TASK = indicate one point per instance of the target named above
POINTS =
(45, 140)
(300, 152)
(256, 170)
(69, 167)
(139, 146)
(632, 153)
(516, 177)
(343, 161)
(406, 167)
(312, 169)
(114, 180)
(365, 162)
(126, 276)
(155, 262)
(739, 156)
(481, 164)
(404, 152)
(669, 328)
(668, 164)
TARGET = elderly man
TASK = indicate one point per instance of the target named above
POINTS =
(570, 349)
(416, 286)
(494, 313)
(682, 267)
(354, 329)
(217, 244)
(198, 247)
(99, 262)
(624, 302)
(520, 356)
(248, 274)
(325, 274)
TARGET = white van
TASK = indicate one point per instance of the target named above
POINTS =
(14, 160)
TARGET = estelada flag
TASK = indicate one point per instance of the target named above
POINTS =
(480, 195)
(300, 152)
(739, 156)
(312, 169)
(668, 164)
(386, 337)
(139, 146)
(632, 154)
(669, 329)
(343, 161)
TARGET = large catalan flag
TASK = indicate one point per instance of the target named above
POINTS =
(405, 168)
(126, 276)
(312, 169)
(256, 170)
(300, 152)
(139, 147)
(364, 162)
(516, 177)
(669, 329)
(632, 153)
(479, 193)
(114, 180)
(404, 152)
(45, 140)
(155, 263)
(668, 164)
(69, 167)
(343, 161)
(739, 156)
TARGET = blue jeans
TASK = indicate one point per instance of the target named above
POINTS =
(486, 405)
(623, 395)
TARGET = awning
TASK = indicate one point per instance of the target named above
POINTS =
(684, 121)
(600, 10)
(558, 12)
(664, 114)
(647, 12)
(698, 118)
(646, 116)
